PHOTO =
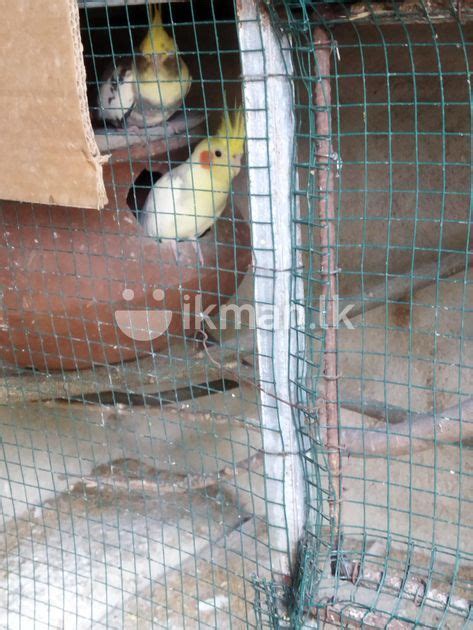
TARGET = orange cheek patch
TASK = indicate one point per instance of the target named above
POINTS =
(205, 159)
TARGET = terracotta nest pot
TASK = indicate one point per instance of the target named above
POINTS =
(84, 287)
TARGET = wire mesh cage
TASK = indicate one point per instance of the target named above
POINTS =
(239, 394)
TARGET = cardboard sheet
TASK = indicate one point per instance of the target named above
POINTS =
(48, 150)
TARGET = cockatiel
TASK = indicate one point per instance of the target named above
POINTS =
(145, 89)
(186, 201)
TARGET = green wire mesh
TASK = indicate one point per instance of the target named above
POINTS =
(400, 112)
(134, 492)
(122, 506)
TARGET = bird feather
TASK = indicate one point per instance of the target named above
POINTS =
(186, 201)
(147, 88)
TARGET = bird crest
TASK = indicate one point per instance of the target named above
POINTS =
(232, 129)
(157, 39)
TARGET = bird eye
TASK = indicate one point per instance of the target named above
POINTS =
(218, 153)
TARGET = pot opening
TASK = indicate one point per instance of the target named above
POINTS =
(140, 189)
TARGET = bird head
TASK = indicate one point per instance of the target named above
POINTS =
(157, 40)
(222, 153)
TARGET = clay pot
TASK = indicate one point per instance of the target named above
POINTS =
(84, 287)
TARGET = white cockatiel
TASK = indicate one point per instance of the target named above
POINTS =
(147, 88)
(186, 201)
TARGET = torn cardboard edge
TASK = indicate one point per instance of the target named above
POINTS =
(95, 157)
(49, 152)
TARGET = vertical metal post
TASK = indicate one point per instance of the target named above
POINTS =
(328, 270)
(268, 99)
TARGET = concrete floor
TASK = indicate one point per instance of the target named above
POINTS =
(88, 558)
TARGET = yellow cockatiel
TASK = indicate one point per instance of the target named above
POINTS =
(147, 88)
(186, 201)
